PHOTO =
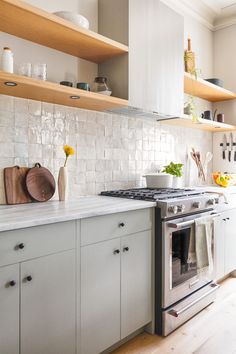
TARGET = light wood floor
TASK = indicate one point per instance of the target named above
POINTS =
(212, 331)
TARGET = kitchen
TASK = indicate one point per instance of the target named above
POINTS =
(92, 261)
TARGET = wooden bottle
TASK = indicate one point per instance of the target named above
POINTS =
(189, 59)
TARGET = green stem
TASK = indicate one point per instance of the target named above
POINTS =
(66, 161)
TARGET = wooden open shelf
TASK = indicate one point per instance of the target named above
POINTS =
(54, 93)
(204, 124)
(203, 89)
(28, 22)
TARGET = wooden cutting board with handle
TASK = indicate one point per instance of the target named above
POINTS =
(40, 183)
(2, 188)
(15, 185)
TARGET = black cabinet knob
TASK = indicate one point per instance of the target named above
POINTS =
(21, 246)
(12, 283)
(28, 278)
(121, 224)
(116, 251)
(125, 249)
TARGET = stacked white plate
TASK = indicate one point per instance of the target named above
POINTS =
(74, 18)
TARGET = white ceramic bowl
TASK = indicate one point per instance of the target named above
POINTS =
(159, 180)
(106, 93)
(74, 18)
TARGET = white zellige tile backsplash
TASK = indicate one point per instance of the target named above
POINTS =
(111, 151)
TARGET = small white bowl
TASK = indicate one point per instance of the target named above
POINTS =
(106, 93)
(74, 18)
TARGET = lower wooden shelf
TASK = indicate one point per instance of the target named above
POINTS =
(45, 91)
(205, 90)
(203, 124)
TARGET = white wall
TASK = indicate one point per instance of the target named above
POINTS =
(60, 66)
(220, 164)
(202, 45)
(225, 68)
(224, 56)
(112, 151)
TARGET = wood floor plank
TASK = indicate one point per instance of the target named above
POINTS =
(212, 331)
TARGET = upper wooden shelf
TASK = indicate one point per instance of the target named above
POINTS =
(54, 93)
(204, 89)
(203, 124)
(38, 26)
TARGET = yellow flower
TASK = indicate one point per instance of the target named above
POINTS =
(68, 150)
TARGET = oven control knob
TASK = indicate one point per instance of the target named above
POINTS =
(196, 205)
(181, 208)
(211, 202)
(173, 209)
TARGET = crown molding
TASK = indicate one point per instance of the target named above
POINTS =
(206, 13)
(227, 18)
(194, 8)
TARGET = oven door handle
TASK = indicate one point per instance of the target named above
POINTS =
(177, 313)
(180, 224)
(187, 223)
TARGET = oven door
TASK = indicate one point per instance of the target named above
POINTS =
(180, 276)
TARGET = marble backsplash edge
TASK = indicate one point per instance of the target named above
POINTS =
(111, 151)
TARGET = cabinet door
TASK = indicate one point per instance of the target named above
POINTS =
(9, 309)
(230, 240)
(156, 67)
(136, 282)
(100, 296)
(219, 258)
(48, 305)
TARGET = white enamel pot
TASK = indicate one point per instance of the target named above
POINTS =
(159, 180)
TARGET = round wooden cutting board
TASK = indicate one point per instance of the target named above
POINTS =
(40, 183)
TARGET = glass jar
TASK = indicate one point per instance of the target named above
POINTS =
(7, 60)
(25, 69)
(40, 71)
(100, 86)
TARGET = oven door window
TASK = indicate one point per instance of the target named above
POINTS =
(183, 256)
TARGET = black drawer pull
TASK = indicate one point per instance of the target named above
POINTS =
(121, 224)
(28, 278)
(11, 283)
(116, 252)
(21, 246)
(125, 249)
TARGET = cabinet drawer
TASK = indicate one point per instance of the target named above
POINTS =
(23, 244)
(101, 228)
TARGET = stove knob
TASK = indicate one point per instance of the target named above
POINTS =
(196, 205)
(181, 208)
(173, 209)
(211, 202)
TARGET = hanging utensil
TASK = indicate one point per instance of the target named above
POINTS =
(235, 152)
(231, 145)
(224, 146)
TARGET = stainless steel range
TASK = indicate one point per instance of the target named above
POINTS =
(181, 288)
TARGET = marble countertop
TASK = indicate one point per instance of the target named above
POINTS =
(26, 215)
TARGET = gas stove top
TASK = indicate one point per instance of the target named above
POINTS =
(172, 202)
(152, 194)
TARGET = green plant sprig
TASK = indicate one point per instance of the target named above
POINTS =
(174, 169)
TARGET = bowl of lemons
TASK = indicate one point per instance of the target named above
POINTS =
(224, 179)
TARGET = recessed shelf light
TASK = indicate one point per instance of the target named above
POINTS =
(10, 83)
(75, 97)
